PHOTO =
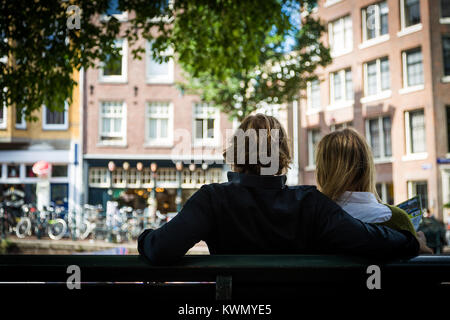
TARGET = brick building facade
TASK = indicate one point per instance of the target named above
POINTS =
(388, 80)
(135, 116)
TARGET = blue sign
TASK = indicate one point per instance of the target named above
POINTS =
(443, 160)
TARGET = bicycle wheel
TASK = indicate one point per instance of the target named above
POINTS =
(23, 227)
(57, 229)
(85, 230)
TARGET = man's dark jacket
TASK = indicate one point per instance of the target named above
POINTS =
(252, 214)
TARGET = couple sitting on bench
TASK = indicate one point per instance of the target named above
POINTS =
(255, 212)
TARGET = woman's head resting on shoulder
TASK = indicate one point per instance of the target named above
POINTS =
(344, 162)
(259, 146)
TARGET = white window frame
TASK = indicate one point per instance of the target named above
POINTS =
(311, 155)
(446, 77)
(409, 154)
(116, 78)
(329, 3)
(64, 126)
(384, 191)
(380, 93)
(345, 102)
(168, 142)
(406, 88)
(123, 132)
(345, 49)
(165, 79)
(443, 20)
(123, 17)
(215, 114)
(344, 125)
(412, 189)
(99, 177)
(22, 178)
(22, 125)
(164, 19)
(14, 179)
(377, 13)
(407, 30)
(4, 121)
(383, 157)
(310, 108)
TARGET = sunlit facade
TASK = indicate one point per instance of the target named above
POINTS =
(388, 80)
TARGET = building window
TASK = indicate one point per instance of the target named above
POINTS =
(20, 120)
(378, 133)
(55, 120)
(206, 126)
(340, 126)
(376, 77)
(445, 9)
(59, 171)
(386, 192)
(114, 68)
(337, 87)
(410, 13)
(313, 95)
(113, 11)
(375, 20)
(313, 140)
(99, 177)
(164, 6)
(446, 54)
(419, 188)
(341, 35)
(158, 72)
(415, 131)
(13, 171)
(341, 86)
(159, 123)
(29, 171)
(112, 122)
(412, 68)
(3, 117)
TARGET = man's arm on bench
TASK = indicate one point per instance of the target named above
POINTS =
(170, 242)
(335, 231)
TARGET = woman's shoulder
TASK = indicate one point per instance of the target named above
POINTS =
(400, 220)
(397, 211)
(367, 212)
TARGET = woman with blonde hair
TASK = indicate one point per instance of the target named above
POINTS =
(345, 172)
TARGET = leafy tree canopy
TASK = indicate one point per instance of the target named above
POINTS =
(236, 54)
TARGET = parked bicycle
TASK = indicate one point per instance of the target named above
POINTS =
(135, 224)
(25, 224)
(118, 224)
(49, 221)
(114, 225)
(10, 211)
(92, 222)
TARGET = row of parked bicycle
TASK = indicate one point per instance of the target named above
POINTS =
(115, 225)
